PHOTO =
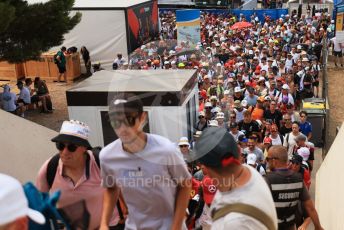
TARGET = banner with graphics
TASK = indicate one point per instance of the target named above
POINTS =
(143, 24)
(340, 24)
(188, 27)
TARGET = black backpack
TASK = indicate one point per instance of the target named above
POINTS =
(55, 59)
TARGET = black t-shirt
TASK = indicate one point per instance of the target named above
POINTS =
(284, 130)
(223, 57)
(274, 118)
(297, 79)
(308, 78)
(238, 98)
(249, 128)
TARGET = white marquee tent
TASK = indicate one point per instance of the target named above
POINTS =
(103, 29)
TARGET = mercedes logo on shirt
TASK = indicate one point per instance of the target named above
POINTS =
(212, 188)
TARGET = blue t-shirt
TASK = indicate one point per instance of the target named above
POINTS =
(306, 128)
(251, 101)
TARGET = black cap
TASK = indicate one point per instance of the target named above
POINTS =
(215, 145)
(125, 103)
(297, 159)
(233, 125)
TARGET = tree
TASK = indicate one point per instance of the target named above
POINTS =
(27, 30)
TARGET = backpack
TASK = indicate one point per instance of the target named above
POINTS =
(281, 137)
(260, 166)
(287, 139)
(55, 59)
(54, 162)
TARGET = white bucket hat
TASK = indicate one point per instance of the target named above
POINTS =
(184, 141)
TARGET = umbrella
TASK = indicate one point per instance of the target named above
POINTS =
(241, 25)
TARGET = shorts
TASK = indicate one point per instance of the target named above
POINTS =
(315, 84)
(338, 53)
(34, 99)
(22, 101)
(62, 69)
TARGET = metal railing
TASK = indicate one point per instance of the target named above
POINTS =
(325, 96)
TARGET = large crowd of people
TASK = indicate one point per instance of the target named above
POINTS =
(251, 84)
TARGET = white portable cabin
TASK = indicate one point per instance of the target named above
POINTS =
(105, 29)
(170, 98)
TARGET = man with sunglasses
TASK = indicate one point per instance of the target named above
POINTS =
(202, 122)
(147, 168)
(77, 175)
(184, 147)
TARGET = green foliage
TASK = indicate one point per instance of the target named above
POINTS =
(28, 30)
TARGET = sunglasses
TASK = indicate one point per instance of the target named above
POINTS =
(183, 146)
(201, 117)
(233, 117)
(71, 147)
(128, 121)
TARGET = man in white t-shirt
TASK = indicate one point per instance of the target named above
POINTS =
(252, 161)
(147, 168)
(237, 184)
(289, 139)
(337, 51)
(233, 127)
(24, 98)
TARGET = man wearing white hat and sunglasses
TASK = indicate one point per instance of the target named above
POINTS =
(14, 209)
(184, 147)
(75, 172)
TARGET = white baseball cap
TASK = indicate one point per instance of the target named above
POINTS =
(213, 123)
(304, 152)
(13, 202)
(213, 98)
(285, 86)
(220, 115)
(207, 104)
(251, 159)
(237, 89)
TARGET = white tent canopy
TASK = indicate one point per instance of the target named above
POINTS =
(98, 3)
(102, 29)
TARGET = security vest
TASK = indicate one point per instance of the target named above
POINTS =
(286, 188)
